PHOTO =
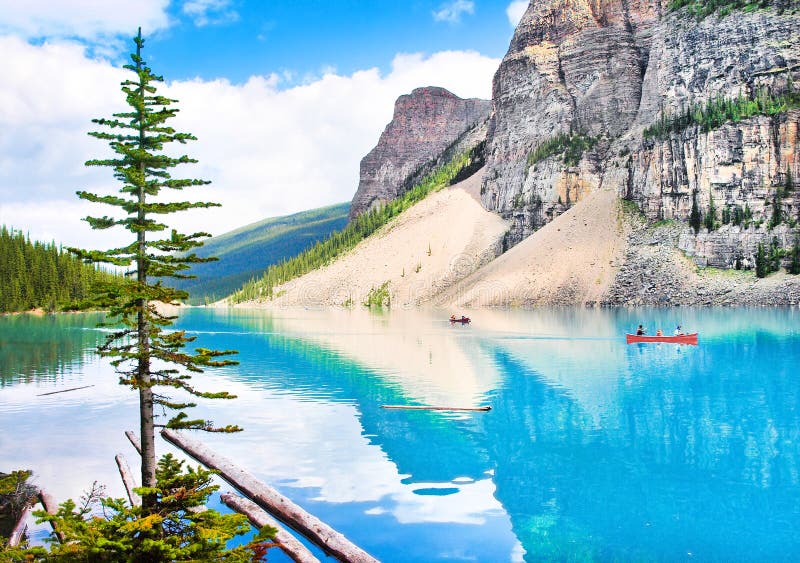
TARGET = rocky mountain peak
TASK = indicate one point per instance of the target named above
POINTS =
(426, 123)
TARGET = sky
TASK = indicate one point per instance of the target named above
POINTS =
(285, 96)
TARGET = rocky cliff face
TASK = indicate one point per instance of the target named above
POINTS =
(603, 70)
(429, 125)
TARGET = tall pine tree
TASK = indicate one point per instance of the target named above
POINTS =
(145, 356)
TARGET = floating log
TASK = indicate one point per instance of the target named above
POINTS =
(128, 480)
(260, 518)
(134, 440)
(19, 529)
(64, 390)
(51, 507)
(328, 539)
(422, 408)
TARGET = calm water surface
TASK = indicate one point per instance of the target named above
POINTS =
(593, 449)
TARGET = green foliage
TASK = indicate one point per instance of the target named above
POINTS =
(248, 251)
(340, 242)
(40, 275)
(794, 258)
(379, 297)
(726, 214)
(170, 531)
(146, 356)
(721, 110)
(570, 145)
(703, 8)
(710, 219)
(769, 260)
(777, 209)
(15, 494)
(761, 262)
(695, 218)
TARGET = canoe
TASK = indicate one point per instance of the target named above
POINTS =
(682, 339)
(462, 320)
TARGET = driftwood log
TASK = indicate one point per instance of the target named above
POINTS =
(328, 539)
(134, 440)
(51, 507)
(260, 518)
(64, 390)
(19, 529)
(128, 480)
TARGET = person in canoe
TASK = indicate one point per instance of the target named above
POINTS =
(640, 331)
(659, 332)
(678, 331)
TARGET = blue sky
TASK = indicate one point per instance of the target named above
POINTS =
(303, 37)
(285, 97)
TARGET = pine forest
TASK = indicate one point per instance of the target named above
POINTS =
(42, 275)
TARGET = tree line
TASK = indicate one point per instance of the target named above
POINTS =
(720, 110)
(42, 275)
(703, 8)
(339, 242)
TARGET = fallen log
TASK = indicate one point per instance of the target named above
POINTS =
(134, 440)
(128, 480)
(19, 528)
(51, 507)
(422, 408)
(64, 390)
(328, 539)
(260, 518)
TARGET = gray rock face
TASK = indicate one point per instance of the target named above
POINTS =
(426, 123)
(609, 68)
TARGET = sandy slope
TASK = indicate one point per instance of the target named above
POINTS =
(570, 261)
(426, 249)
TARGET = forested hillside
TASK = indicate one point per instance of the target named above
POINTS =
(40, 275)
(247, 252)
(339, 242)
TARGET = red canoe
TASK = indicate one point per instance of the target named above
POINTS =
(682, 339)
(462, 320)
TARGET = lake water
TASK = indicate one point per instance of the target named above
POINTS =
(593, 449)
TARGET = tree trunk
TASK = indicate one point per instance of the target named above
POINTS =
(147, 430)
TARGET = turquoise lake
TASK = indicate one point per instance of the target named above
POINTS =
(593, 449)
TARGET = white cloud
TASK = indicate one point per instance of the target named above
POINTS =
(451, 11)
(87, 19)
(210, 12)
(269, 151)
(515, 11)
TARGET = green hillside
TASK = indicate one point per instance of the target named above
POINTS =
(247, 252)
(37, 274)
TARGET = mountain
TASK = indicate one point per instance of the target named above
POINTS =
(639, 152)
(413, 257)
(429, 127)
(246, 252)
(672, 105)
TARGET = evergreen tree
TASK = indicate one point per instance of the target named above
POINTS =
(794, 261)
(694, 216)
(761, 262)
(777, 209)
(145, 356)
(711, 217)
(775, 255)
(35, 274)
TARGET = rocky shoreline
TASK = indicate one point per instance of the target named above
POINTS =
(655, 272)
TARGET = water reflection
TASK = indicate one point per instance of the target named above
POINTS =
(45, 347)
(593, 449)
